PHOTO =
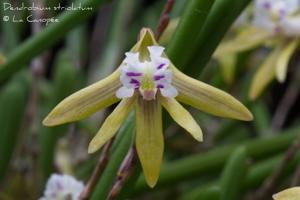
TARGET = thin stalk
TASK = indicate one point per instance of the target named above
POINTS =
(219, 20)
(288, 100)
(123, 140)
(126, 170)
(269, 184)
(164, 18)
(86, 193)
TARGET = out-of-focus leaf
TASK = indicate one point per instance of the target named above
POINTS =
(248, 38)
(265, 74)
(218, 22)
(115, 41)
(205, 193)
(187, 32)
(228, 65)
(13, 100)
(233, 176)
(65, 82)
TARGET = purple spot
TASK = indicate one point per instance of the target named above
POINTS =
(133, 74)
(267, 5)
(160, 86)
(158, 77)
(134, 81)
(161, 66)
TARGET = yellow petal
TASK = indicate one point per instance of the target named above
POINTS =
(288, 194)
(207, 98)
(149, 138)
(146, 38)
(111, 124)
(182, 117)
(249, 38)
(284, 58)
(265, 74)
(227, 64)
(85, 102)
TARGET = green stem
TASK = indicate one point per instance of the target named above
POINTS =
(124, 140)
(187, 32)
(233, 176)
(219, 20)
(13, 100)
(262, 119)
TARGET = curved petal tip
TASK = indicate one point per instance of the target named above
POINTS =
(48, 121)
(246, 115)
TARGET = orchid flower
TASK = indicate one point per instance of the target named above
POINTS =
(145, 82)
(278, 16)
(61, 187)
(288, 194)
(275, 24)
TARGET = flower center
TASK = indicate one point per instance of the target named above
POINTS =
(146, 77)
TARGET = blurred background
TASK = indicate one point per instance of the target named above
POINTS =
(47, 54)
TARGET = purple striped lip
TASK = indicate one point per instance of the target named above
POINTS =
(158, 77)
(134, 81)
(160, 86)
(161, 66)
(133, 74)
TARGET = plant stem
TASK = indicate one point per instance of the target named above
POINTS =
(188, 30)
(127, 168)
(86, 193)
(120, 148)
(164, 18)
(286, 103)
(267, 187)
(296, 177)
(225, 11)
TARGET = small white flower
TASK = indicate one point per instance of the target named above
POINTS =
(62, 187)
(147, 77)
(278, 16)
